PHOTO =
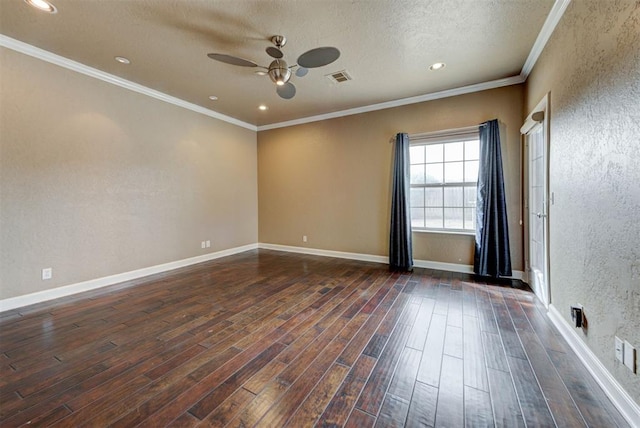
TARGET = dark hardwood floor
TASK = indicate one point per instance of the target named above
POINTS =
(276, 339)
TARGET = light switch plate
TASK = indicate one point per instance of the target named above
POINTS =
(630, 356)
(619, 349)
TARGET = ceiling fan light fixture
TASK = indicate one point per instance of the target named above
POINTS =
(279, 72)
(43, 5)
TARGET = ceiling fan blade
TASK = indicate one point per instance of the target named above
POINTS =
(286, 91)
(233, 60)
(318, 57)
(301, 71)
(274, 52)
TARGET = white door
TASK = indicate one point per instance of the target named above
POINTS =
(535, 140)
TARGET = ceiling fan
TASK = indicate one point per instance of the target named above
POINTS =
(279, 71)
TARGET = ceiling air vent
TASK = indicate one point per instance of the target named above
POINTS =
(339, 76)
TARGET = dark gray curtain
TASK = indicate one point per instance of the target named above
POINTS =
(400, 251)
(492, 256)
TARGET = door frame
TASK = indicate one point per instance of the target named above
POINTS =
(539, 115)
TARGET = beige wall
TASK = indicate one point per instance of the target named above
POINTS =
(330, 180)
(591, 67)
(96, 180)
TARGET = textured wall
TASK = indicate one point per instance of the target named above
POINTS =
(331, 180)
(96, 180)
(591, 67)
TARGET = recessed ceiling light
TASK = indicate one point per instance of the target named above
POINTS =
(122, 60)
(437, 66)
(42, 5)
(261, 73)
(213, 97)
(263, 107)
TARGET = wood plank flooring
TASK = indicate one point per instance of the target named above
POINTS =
(273, 339)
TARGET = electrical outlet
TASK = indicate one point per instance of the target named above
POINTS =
(203, 244)
(304, 238)
(208, 244)
(619, 347)
(630, 356)
(577, 315)
(47, 273)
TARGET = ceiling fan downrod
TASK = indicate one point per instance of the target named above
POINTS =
(279, 41)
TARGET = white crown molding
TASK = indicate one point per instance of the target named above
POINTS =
(61, 61)
(555, 14)
(550, 24)
(55, 293)
(620, 398)
(508, 81)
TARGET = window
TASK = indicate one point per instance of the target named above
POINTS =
(444, 176)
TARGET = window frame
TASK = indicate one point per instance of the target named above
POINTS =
(470, 133)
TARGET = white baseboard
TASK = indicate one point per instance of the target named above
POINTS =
(620, 398)
(67, 290)
(451, 267)
(457, 267)
(326, 253)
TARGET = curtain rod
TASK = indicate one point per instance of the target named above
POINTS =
(444, 132)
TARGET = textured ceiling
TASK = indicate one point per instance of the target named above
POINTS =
(386, 45)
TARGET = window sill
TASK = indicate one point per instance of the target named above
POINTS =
(445, 232)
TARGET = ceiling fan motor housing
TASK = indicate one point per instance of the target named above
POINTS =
(279, 72)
